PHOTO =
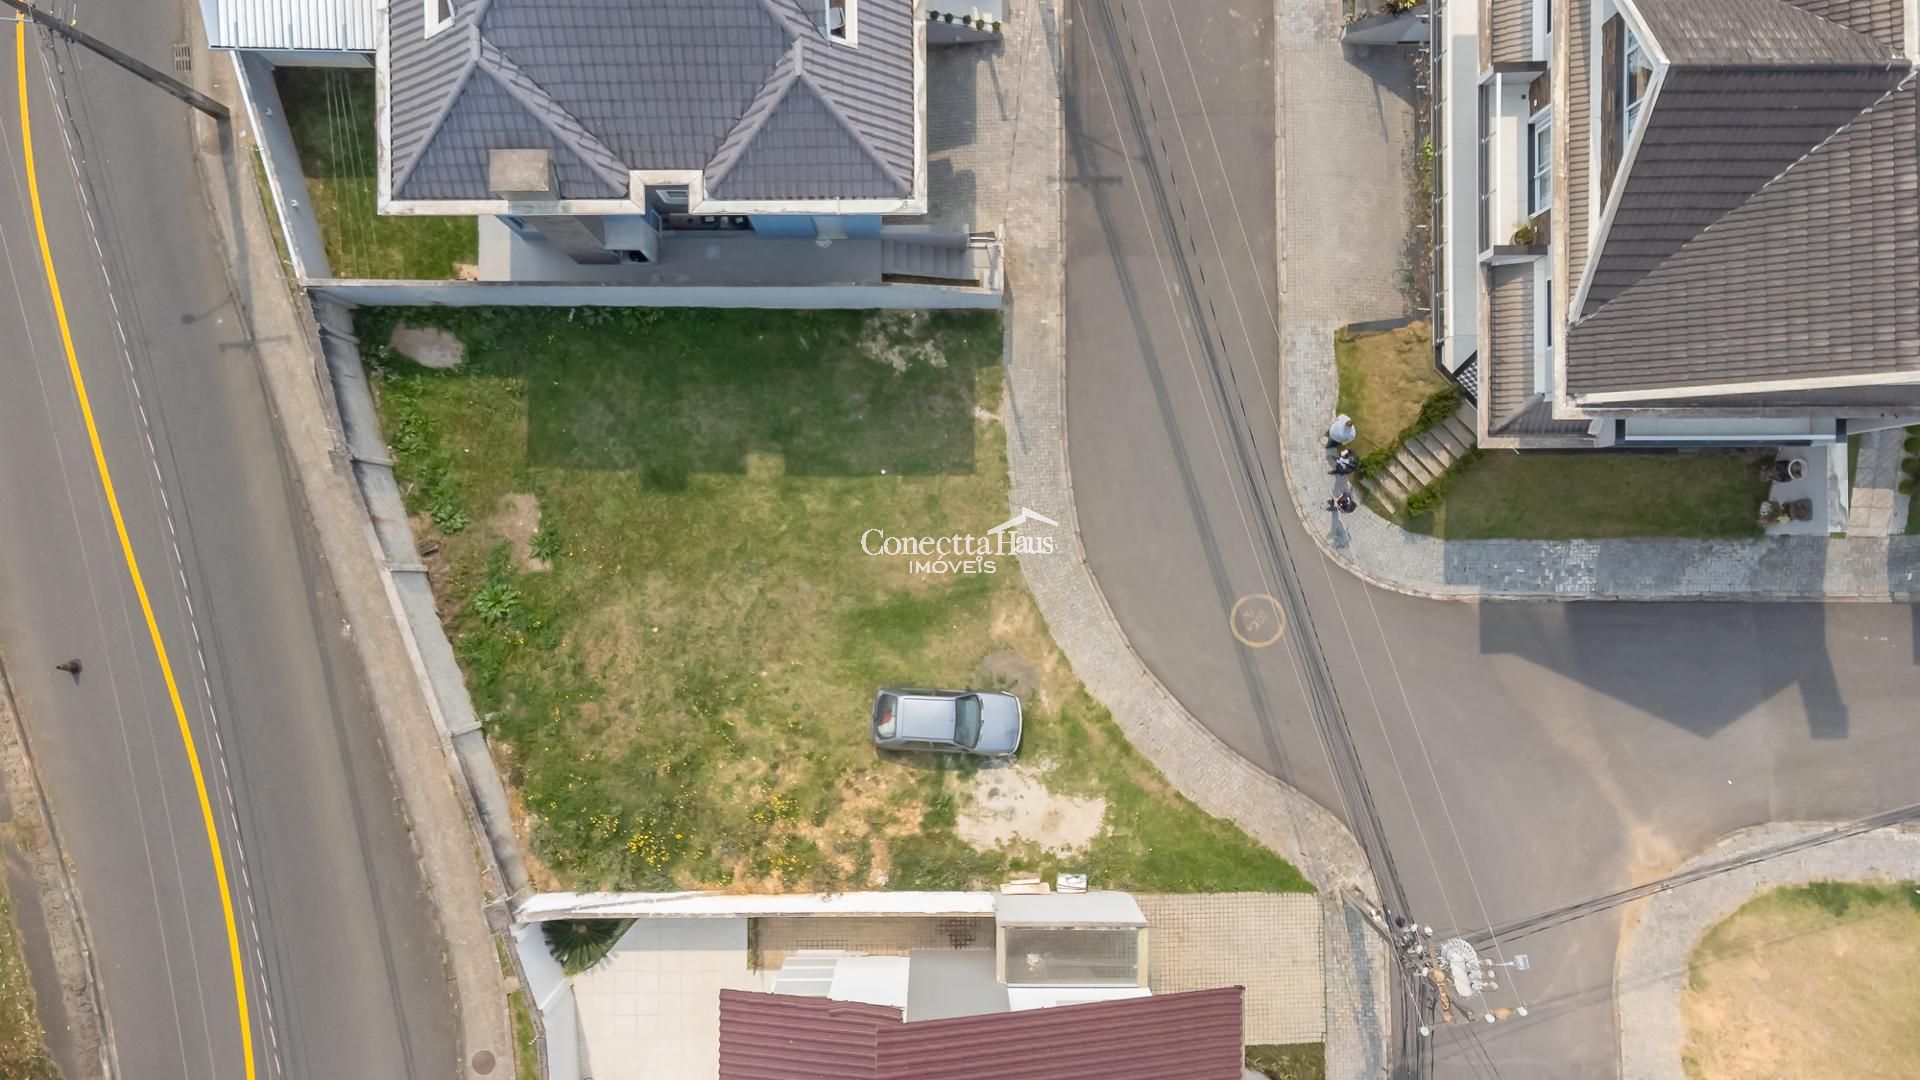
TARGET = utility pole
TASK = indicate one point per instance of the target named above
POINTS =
(153, 75)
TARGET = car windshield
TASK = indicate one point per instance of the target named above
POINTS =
(966, 721)
(883, 724)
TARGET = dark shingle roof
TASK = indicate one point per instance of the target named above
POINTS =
(1190, 1036)
(1714, 137)
(1754, 33)
(1817, 274)
(619, 85)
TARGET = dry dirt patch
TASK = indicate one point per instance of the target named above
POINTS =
(428, 346)
(900, 340)
(516, 518)
(1817, 982)
(1012, 804)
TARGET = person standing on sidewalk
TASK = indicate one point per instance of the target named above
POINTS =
(1341, 431)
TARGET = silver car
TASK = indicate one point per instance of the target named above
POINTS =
(984, 722)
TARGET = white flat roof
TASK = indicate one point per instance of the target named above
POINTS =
(1070, 909)
(304, 25)
(566, 905)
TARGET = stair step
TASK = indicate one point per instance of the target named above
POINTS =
(1434, 453)
(1418, 464)
(1407, 478)
(1464, 430)
(1466, 414)
(1374, 489)
(1446, 437)
(1387, 490)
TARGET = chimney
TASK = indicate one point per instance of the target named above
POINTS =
(521, 175)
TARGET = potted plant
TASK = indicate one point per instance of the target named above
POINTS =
(1782, 470)
(1524, 234)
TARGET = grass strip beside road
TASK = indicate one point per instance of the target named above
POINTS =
(132, 563)
(23, 1044)
(681, 699)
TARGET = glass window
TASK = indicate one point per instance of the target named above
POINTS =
(1540, 161)
(1638, 73)
(439, 14)
(1549, 300)
(966, 720)
(884, 707)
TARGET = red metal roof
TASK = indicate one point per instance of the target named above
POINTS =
(1191, 1036)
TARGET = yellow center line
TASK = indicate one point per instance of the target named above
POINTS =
(133, 565)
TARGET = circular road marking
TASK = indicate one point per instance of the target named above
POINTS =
(1256, 620)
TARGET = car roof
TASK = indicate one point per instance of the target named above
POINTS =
(926, 717)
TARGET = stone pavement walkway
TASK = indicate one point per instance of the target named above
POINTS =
(1344, 157)
(1007, 170)
(1269, 943)
(1654, 958)
(1879, 507)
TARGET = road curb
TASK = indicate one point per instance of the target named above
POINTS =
(450, 843)
(89, 1025)
(1651, 967)
(1076, 611)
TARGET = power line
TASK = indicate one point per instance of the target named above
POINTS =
(1547, 920)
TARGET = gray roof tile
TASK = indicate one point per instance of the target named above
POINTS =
(1754, 33)
(660, 84)
(1816, 274)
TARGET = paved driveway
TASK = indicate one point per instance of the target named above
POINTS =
(1517, 756)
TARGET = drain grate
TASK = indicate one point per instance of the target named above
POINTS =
(182, 57)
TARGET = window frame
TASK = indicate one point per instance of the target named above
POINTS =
(1629, 104)
(430, 14)
(1540, 166)
(849, 32)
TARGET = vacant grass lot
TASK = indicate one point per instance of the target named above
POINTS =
(1815, 982)
(1591, 495)
(682, 699)
(331, 112)
(1385, 376)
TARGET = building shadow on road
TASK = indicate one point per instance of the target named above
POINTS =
(1698, 667)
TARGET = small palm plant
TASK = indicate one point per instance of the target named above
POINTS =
(581, 943)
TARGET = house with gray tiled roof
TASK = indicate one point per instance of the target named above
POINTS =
(1679, 222)
(598, 129)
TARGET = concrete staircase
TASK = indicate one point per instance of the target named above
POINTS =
(1422, 460)
(929, 258)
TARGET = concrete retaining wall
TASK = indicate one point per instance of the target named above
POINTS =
(532, 294)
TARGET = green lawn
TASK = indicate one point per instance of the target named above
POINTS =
(682, 699)
(1816, 982)
(1588, 495)
(1385, 377)
(331, 112)
(1291, 1061)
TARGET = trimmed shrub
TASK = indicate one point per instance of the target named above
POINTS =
(581, 943)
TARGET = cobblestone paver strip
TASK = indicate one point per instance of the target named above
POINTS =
(1269, 943)
(1876, 482)
(1017, 89)
(1654, 957)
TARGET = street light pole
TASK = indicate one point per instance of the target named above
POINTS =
(151, 74)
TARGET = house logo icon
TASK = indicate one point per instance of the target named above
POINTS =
(1026, 514)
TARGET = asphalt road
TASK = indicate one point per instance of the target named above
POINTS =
(1517, 757)
(342, 963)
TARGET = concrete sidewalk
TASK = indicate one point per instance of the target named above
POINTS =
(469, 902)
(1010, 170)
(1344, 227)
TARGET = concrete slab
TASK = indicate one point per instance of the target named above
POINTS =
(651, 1009)
(1269, 943)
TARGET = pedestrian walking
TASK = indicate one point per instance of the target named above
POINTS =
(1341, 431)
(1345, 463)
(71, 667)
(1343, 502)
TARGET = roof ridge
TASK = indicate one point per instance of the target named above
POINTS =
(549, 113)
(1771, 181)
(753, 119)
(471, 29)
(826, 100)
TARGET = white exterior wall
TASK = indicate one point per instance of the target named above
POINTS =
(1460, 165)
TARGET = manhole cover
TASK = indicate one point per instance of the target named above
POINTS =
(483, 1062)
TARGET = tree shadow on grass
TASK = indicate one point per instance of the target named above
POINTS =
(672, 394)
